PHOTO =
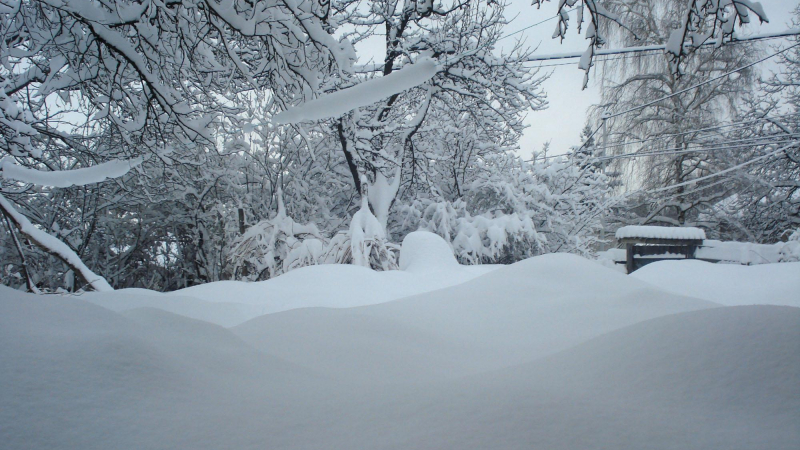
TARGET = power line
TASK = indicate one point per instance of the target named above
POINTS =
(632, 55)
(661, 47)
(534, 25)
(683, 133)
(722, 172)
(710, 80)
(615, 58)
(639, 54)
(693, 191)
(716, 146)
(678, 151)
(701, 144)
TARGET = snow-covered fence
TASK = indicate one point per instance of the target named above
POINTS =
(729, 252)
(748, 253)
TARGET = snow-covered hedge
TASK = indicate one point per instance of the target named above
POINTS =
(731, 252)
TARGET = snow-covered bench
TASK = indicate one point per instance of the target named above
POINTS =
(646, 244)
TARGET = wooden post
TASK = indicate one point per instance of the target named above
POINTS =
(629, 257)
(241, 221)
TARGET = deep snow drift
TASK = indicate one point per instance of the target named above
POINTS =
(515, 314)
(426, 259)
(727, 284)
(555, 352)
(723, 378)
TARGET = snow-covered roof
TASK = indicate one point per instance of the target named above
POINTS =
(649, 232)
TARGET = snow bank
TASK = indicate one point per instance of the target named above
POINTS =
(226, 314)
(331, 286)
(230, 303)
(362, 94)
(688, 358)
(76, 376)
(651, 232)
(727, 284)
(717, 379)
(511, 315)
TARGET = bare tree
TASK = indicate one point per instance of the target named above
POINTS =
(697, 22)
(664, 146)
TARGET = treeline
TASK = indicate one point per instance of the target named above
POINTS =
(184, 93)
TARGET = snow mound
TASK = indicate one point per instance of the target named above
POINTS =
(226, 314)
(229, 303)
(742, 356)
(652, 232)
(723, 378)
(511, 315)
(727, 284)
(422, 251)
(76, 376)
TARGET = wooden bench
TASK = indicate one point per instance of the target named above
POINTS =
(646, 244)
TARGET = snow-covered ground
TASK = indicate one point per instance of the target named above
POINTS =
(555, 352)
(727, 284)
(230, 303)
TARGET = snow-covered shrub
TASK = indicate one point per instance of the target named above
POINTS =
(437, 217)
(338, 250)
(307, 253)
(274, 246)
(790, 251)
(496, 238)
(491, 237)
(512, 210)
(568, 200)
(364, 244)
(564, 198)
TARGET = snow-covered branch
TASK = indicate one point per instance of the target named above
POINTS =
(54, 246)
(68, 178)
(363, 94)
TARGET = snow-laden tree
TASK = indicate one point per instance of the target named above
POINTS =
(515, 209)
(389, 145)
(767, 207)
(694, 23)
(668, 144)
(27, 180)
(147, 76)
(191, 91)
